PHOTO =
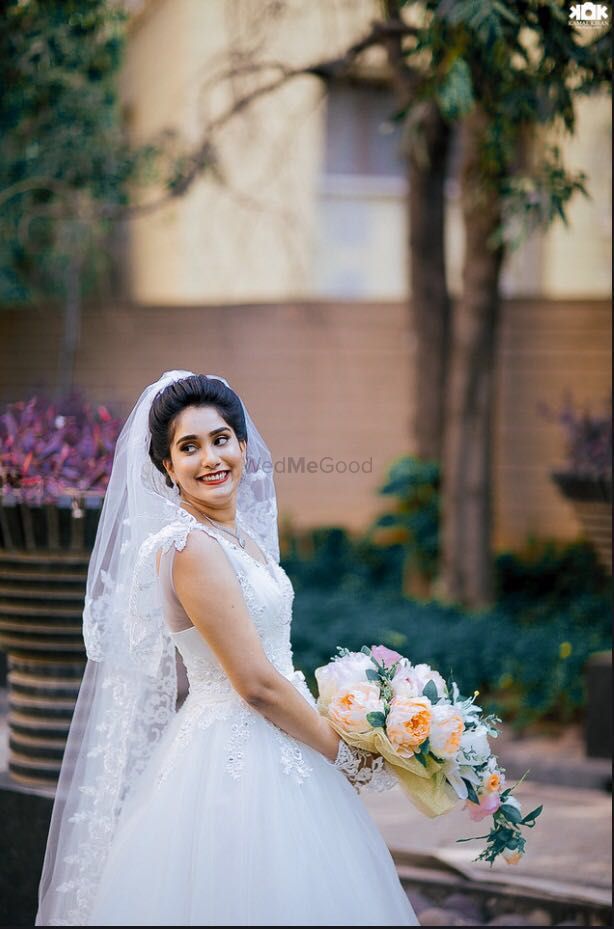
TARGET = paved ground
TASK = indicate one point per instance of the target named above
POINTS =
(570, 846)
(568, 852)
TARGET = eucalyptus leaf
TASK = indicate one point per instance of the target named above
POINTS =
(510, 813)
(377, 720)
(532, 816)
(430, 692)
(470, 791)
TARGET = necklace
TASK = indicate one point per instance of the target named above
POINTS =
(235, 535)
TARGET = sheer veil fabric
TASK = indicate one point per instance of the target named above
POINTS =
(127, 697)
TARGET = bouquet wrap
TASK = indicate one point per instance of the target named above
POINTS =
(426, 786)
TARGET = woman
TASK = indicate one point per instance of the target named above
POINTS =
(241, 807)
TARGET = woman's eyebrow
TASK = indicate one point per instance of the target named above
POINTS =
(213, 432)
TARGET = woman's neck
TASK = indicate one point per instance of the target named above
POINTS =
(226, 517)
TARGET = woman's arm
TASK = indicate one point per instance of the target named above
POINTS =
(211, 595)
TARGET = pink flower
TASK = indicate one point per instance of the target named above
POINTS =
(489, 804)
(385, 655)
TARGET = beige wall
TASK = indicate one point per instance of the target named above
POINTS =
(259, 237)
(325, 379)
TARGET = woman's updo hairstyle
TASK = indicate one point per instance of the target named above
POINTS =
(196, 390)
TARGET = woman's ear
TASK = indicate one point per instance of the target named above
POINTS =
(168, 465)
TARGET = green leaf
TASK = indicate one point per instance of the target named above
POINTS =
(511, 813)
(366, 650)
(372, 675)
(470, 791)
(532, 816)
(377, 720)
(455, 93)
(421, 758)
(430, 692)
(423, 749)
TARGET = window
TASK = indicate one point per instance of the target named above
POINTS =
(361, 229)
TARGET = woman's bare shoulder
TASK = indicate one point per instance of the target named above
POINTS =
(202, 559)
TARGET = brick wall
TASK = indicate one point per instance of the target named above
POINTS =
(332, 383)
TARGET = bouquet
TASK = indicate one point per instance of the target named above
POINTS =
(405, 719)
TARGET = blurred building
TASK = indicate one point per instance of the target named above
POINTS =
(288, 273)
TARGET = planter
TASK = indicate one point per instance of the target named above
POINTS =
(591, 499)
(598, 723)
(44, 556)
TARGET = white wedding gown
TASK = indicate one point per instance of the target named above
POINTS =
(233, 822)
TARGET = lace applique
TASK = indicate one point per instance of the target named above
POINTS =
(144, 622)
(362, 770)
(196, 716)
(291, 755)
(130, 709)
(241, 731)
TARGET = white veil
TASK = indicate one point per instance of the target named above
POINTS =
(129, 688)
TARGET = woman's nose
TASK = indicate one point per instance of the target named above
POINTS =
(210, 456)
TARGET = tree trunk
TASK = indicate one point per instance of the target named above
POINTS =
(426, 156)
(467, 463)
(429, 307)
(71, 325)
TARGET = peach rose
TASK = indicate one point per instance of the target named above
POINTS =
(493, 782)
(512, 855)
(350, 707)
(446, 730)
(408, 724)
(340, 675)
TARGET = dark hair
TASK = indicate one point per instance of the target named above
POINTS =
(196, 390)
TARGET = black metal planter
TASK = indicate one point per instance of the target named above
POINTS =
(44, 555)
(591, 499)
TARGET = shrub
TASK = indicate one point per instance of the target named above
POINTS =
(50, 450)
(528, 673)
(588, 438)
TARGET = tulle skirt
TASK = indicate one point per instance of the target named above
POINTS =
(229, 826)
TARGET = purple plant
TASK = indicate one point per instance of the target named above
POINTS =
(588, 439)
(50, 450)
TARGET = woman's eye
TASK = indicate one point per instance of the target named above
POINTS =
(186, 447)
(225, 437)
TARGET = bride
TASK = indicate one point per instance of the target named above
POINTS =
(241, 808)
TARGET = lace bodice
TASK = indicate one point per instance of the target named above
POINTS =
(268, 595)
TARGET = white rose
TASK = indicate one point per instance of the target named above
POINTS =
(457, 775)
(410, 680)
(341, 674)
(474, 748)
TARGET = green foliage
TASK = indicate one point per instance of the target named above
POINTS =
(526, 672)
(330, 559)
(414, 522)
(65, 164)
(550, 578)
(534, 201)
(526, 655)
(523, 66)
